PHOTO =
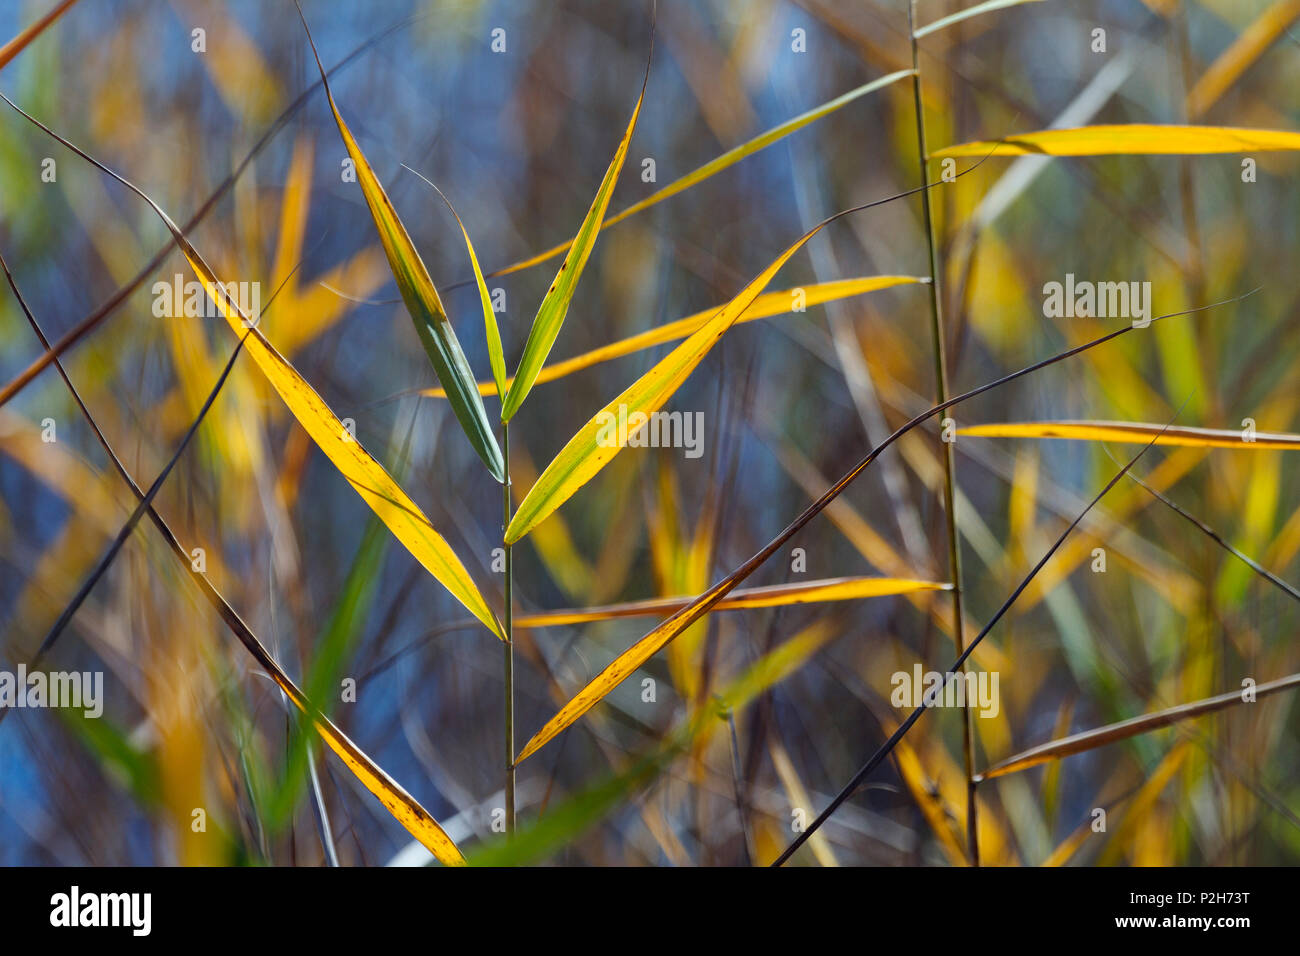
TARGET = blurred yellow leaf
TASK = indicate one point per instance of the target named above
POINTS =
(1237, 58)
(766, 305)
(19, 43)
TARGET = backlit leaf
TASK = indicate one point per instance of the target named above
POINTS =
(1136, 433)
(1137, 139)
(422, 301)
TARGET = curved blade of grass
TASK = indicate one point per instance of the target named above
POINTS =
(765, 306)
(91, 321)
(385, 497)
(495, 355)
(1133, 433)
(1137, 139)
(1122, 730)
(718, 164)
(421, 298)
(19, 43)
(884, 750)
(776, 595)
(987, 7)
(1237, 58)
(405, 808)
(555, 304)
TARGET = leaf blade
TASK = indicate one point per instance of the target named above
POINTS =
(766, 306)
(778, 595)
(1137, 139)
(555, 304)
(496, 356)
(421, 298)
(1134, 433)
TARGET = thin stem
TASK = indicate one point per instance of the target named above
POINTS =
(949, 463)
(509, 649)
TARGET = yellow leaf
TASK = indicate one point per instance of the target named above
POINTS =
(1137, 139)
(626, 663)
(798, 798)
(776, 595)
(1136, 433)
(773, 667)
(765, 306)
(400, 804)
(1236, 59)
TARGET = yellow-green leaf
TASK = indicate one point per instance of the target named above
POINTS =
(719, 163)
(765, 306)
(626, 664)
(1136, 433)
(1135, 139)
(593, 447)
(777, 595)
(495, 355)
(421, 298)
(555, 304)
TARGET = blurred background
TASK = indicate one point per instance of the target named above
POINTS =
(519, 140)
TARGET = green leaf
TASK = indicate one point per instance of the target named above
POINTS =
(555, 304)
(421, 298)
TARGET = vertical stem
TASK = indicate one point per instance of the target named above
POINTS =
(509, 649)
(949, 465)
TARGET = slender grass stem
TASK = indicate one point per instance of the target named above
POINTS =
(509, 649)
(949, 463)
